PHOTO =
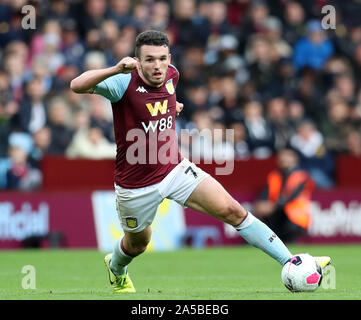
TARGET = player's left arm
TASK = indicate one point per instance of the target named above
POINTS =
(178, 107)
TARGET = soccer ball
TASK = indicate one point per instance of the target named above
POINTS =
(301, 273)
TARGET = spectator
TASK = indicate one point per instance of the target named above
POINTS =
(314, 49)
(8, 108)
(12, 23)
(253, 22)
(357, 63)
(5, 16)
(273, 32)
(309, 93)
(73, 48)
(308, 140)
(100, 116)
(20, 49)
(41, 70)
(262, 57)
(94, 60)
(356, 110)
(20, 175)
(241, 149)
(237, 10)
(336, 126)
(91, 143)
(223, 144)
(123, 47)
(42, 139)
(260, 136)
(14, 66)
(314, 156)
(59, 10)
(141, 14)
(81, 120)
(119, 11)
(294, 17)
(192, 66)
(354, 143)
(201, 138)
(217, 20)
(225, 60)
(337, 66)
(61, 134)
(296, 113)
(334, 68)
(37, 43)
(50, 55)
(160, 16)
(345, 86)
(277, 116)
(230, 102)
(62, 82)
(110, 33)
(93, 40)
(93, 15)
(76, 101)
(32, 113)
(285, 82)
(184, 27)
(215, 94)
(346, 42)
(196, 98)
(285, 203)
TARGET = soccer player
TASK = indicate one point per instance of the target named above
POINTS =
(149, 167)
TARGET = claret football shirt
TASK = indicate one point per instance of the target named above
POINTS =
(144, 127)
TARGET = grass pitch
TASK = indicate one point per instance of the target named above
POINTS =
(231, 273)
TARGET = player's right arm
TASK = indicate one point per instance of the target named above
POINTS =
(86, 82)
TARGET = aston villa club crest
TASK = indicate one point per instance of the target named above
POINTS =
(131, 222)
(169, 86)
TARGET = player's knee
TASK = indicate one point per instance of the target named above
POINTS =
(234, 213)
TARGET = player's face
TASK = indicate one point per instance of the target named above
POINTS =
(153, 64)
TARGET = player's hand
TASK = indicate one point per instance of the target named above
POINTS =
(126, 65)
(178, 107)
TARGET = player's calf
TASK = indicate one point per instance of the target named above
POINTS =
(258, 234)
(127, 248)
(232, 213)
(134, 250)
(134, 244)
(211, 198)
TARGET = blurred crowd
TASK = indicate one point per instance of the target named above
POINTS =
(269, 70)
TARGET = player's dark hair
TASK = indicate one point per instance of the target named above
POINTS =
(150, 38)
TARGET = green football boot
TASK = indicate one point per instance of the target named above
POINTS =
(120, 284)
(323, 261)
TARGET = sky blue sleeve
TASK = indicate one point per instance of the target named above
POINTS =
(114, 87)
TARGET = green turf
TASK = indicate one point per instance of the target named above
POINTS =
(216, 273)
